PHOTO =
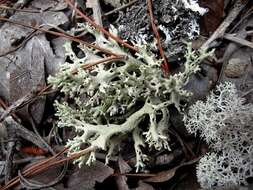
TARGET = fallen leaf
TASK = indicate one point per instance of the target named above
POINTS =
(86, 177)
(49, 5)
(121, 180)
(23, 70)
(212, 19)
(83, 178)
(187, 181)
(162, 176)
(144, 186)
(167, 175)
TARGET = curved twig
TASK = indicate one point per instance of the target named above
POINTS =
(38, 185)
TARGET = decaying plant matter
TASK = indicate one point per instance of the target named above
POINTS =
(125, 97)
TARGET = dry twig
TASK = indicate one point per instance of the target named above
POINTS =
(120, 8)
(220, 31)
(45, 164)
(238, 40)
(165, 65)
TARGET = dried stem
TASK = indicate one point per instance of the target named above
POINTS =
(165, 65)
(106, 60)
(45, 164)
(121, 8)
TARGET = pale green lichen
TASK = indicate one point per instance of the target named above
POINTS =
(125, 97)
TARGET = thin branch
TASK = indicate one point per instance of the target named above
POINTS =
(105, 60)
(45, 164)
(238, 40)
(4, 106)
(35, 129)
(17, 104)
(70, 37)
(220, 31)
(120, 8)
(31, 35)
(25, 10)
(165, 65)
(15, 129)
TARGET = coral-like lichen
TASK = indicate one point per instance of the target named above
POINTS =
(125, 97)
(225, 123)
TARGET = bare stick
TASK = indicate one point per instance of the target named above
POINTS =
(238, 40)
(45, 164)
(220, 31)
(120, 8)
(165, 65)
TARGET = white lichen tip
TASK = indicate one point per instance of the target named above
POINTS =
(194, 6)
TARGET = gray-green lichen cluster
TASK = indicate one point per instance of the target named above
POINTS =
(127, 98)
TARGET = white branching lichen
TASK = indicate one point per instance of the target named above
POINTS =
(194, 6)
(111, 101)
(225, 123)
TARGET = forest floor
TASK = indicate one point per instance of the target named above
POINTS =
(32, 38)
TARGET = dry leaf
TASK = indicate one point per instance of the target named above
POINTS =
(211, 20)
(86, 177)
(167, 175)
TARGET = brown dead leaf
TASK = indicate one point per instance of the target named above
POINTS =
(162, 176)
(83, 178)
(23, 70)
(167, 175)
(187, 181)
(211, 20)
(121, 180)
(144, 186)
(87, 176)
